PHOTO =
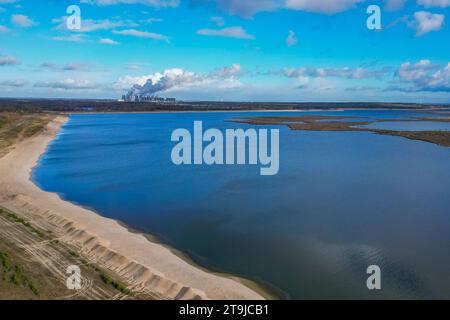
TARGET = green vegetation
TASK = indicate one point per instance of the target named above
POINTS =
(15, 126)
(78, 257)
(33, 288)
(14, 217)
(17, 219)
(441, 138)
(6, 261)
(79, 105)
(104, 276)
(16, 281)
(107, 279)
(16, 274)
(74, 254)
(332, 123)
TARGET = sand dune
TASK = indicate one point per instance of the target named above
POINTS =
(104, 241)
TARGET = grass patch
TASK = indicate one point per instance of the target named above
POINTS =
(15, 279)
(78, 257)
(33, 288)
(17, 274)
(441, 138)
(74, 254)
(14, 217)
(107, 279)
(104, 276)
(15, 126)
(332, 123)
(6, 261)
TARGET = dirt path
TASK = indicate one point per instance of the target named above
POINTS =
(46, 260)
(123, 260)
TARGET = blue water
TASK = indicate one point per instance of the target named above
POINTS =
(341, 202)
(410, 126)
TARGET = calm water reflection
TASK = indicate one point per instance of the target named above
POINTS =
(341, 201)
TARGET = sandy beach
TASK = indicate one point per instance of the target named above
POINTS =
(140, 262)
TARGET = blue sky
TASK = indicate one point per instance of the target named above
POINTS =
(253, 50)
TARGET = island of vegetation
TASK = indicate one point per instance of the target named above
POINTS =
(345, 123)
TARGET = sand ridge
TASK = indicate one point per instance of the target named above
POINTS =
(104, 241)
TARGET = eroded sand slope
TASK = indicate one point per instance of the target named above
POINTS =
(140, 262)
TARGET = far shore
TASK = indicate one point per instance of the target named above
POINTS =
(431, 109)
(138, 260)
(353, 124)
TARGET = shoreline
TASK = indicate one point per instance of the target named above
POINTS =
(133, 256)
(431, 109)
(266, 291)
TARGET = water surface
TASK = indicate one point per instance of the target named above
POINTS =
(341, 202)
(410, 126)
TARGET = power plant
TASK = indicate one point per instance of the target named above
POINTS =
(165, 81)
(146, 98)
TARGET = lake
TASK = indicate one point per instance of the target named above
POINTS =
(341, 201)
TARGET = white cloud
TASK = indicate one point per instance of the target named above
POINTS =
(348, 73)
(168, 79)
(152, 3)
(134, 66)
(90, 25)
(425, 22)
(219, 21)
(8, 61)
(434, 3)
(21, 20)
(67, 84)
(230, 32)
(142, 34)
(177, 79)
(71, 38)
(291, 39)
(235, 70)
(14, 83)
(108, 41)
(248, 8)
(393, 5)
(322, 6)
(151, 20)
(422, 76)
(3, 29)
(360, 88)
(72, 66)
(410, 72)
(126, 82)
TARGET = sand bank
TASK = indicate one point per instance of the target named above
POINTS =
(144, 264)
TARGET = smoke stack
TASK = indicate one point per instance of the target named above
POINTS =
(164, 81)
